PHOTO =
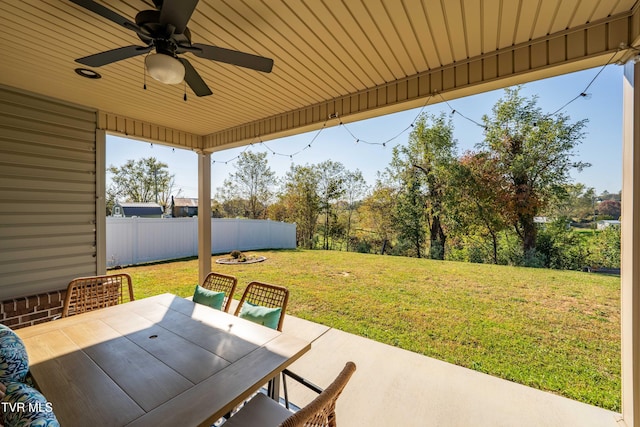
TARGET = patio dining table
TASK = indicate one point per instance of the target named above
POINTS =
(158, 361)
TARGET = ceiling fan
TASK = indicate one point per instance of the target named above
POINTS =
(165, 30)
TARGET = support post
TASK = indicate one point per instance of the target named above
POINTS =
(630, 247)
(204, 215)
(101, 203)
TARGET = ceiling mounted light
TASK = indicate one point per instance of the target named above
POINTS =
(85, 72)
(164, 68)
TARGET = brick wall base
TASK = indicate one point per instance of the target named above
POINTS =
(26, 311)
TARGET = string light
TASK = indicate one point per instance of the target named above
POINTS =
(584, 92)
(383, 144)
(234, 158)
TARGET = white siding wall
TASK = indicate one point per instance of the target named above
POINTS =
(47, 193)
(133, 241)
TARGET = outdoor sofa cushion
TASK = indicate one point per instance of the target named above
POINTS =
(27, 407)
(14, 361)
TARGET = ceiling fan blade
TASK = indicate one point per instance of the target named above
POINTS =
(104, 58)
(177, 13)
(107, 13)
(193, 79)
(234, 57)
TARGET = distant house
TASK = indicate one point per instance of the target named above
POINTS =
(605, 223)
(142, 210)
(184, 207)
(542, 220)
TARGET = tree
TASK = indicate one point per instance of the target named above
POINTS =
(532, 153)
(609, 208)
(226, 206)
(252, 181)
(574, 202)
(277, 211)
(331, 187)
(611, 196)
(144, 180)
(355, 188)
(377, 213)
(409, 216)
(301, 201)
(431, 152)
(480, 199)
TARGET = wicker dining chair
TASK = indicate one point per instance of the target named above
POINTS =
(321, 412)
(95, 292)
(219, 282)
(273, 296)
(266, 295)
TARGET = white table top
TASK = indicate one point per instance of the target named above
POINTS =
(158, 361)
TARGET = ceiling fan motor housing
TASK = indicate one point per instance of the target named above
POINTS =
(163, 36)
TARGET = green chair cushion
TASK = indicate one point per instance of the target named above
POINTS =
(207, 297)
(266, 316)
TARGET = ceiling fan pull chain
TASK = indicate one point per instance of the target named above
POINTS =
(144, 73)
(185, 91)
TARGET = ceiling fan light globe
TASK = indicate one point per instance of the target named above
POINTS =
(164, 68)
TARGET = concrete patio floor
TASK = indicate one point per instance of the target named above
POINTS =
(395, 387)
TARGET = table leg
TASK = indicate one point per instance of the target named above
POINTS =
(273, 389)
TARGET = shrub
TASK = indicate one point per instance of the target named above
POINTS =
(436, 251)
(606, 248)
(533, 258)
(476, 254)
(456, 253)
(561, 248)
(510, 250)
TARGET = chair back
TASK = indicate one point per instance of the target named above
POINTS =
(321, 412)
(95, 292)
(264, 294)
(218, 282)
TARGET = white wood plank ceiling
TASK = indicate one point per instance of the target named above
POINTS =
(324, 50)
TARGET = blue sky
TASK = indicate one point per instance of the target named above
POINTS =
(602, 145)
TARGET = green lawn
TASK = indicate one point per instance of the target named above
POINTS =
(553, 330)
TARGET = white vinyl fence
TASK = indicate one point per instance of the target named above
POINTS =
(132, 241)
